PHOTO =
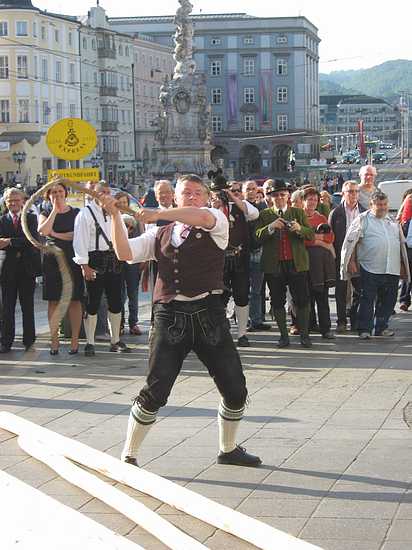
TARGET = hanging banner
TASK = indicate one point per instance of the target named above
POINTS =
(232, 99)
(265, 97)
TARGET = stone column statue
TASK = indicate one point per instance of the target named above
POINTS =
(183, 39)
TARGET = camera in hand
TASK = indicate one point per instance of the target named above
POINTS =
(288, 224)
(323, 229)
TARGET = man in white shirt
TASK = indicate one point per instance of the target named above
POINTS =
(101, 270)
(377, 255)
(188, 312)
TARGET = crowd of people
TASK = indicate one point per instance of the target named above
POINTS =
(287, 247)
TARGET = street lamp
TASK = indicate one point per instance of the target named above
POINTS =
(19, 157)
(96, 160)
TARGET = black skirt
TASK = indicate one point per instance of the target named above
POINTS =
(52, 281)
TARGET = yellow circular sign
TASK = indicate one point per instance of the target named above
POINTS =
(71, 139)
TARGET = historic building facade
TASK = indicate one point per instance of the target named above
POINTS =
(262, 79)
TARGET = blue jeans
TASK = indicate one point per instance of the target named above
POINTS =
(255, 298)
(130, 287)
(372, 310)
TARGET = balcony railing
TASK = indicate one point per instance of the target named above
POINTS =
(106, 53)
(108, 91)
(109, 126)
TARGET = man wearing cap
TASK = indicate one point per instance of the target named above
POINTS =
(282, 230)
(188, 312)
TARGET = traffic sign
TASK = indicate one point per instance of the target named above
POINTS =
(71, 139)
(75, 174)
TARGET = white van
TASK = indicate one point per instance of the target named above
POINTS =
(395, 190)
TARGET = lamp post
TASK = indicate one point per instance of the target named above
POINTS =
(97, 161)
(19, 157)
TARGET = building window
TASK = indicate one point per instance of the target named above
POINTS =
(120, 49)
(282, 67)
(72, 73)
(4, 110)
(248, 40)
(43, 32)
(23, 110)
(249, 123)
(84, 43)
(21, 28)
(34, 29)
(36, 66)
(249, 66)
(215, 41)
(217, 96)
(59, 111)
(282, 94)
(282, 39)
(46, 112)
(249, 95)
(282, 123)
(56, 35)
(4, 67)
(126, 51)
(217, 124)
(93, 44)
(121, 82)
(72, 110)
(36, 111)
(4, 28)
(70, 37)
(22, 71)
(95, 78)
(58, 71)
(215, 67)
(44, 70)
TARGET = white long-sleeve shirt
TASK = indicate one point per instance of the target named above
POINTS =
(84, 239)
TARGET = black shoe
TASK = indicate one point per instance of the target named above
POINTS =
(238, 457)
(243, 342)
(305, 341)
(89, 350)
(259, 327)
(328, 335)
(120, 347)
(283, 342)
(54, 352)
(29, 347)
(131, 460)
(74, 351)
(5, 349)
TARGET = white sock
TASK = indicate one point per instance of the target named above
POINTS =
(90, 328)
(229, 422)
(140, 422)
(115, 320)
(242, 315)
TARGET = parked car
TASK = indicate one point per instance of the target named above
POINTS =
(350, 158)
(395, 190)
(336, 199)
(386, 146)
(378, 158)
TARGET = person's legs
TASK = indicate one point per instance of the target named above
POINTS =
(9, 297)
(240, 290)
(340, 297)
(322, 303)
(298, 283)
(94, 296)
(169, 343)
(277, 289)
(26, 289)
(354, 309)
(369, 284)
(54, 331)
(405, 296)
(75, 317)
(113, 291)
(132, 277)
(255, 299)
(388, 292)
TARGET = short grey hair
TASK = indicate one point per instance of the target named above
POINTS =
(364, 168)
(195, 179)
(158, 183)
(348, 183)
(244, 184)
(298, 194)
(13, 191)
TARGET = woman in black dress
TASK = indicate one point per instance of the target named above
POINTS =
(57, 225)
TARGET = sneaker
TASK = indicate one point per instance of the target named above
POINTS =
(89, 350)
(243, 342)
(135, 330)
(120, 347)
(404, 307)
(328, 335)
(238, 457)
(283, 342)
(386, 332)
(130, 460)
(341, 328)
(259, 327)
(364, 336)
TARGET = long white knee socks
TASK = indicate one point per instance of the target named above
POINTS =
(228, 422)
(242, 315)
(90, 328)
(140, 422)
(115, 320)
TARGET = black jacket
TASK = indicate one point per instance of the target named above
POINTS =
(337, 221)
(20, 254)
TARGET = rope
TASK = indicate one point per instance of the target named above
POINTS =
(67, 283)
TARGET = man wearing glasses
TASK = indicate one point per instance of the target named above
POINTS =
(340, 219)
(282, 231)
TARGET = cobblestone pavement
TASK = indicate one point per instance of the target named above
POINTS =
(328, 424)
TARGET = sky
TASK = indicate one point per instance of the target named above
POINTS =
(355, 34)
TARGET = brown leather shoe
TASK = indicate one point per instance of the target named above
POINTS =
(136, 331)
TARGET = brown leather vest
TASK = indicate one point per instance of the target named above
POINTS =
(195, 267)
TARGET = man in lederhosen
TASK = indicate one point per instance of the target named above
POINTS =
(188, 312)
(101, 270)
